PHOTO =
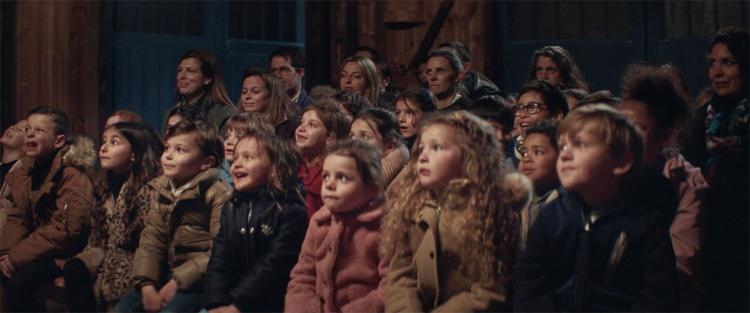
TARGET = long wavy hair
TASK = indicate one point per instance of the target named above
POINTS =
(476, 206)
(281, 107)
(215, 90)
(569, 73)
(147, 149)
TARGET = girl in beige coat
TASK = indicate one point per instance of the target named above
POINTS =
(450, 229)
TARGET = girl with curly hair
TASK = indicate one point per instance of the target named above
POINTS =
(450, 228)
(102, 273)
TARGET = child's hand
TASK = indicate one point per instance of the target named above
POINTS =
(225, 309)
(6, 266)
(152, 301)
(168, 291)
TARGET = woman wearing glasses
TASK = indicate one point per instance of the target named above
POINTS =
(556, 65)
(199, 83)
(264, 94)
(537, 101)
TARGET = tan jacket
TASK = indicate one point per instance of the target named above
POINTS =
(52, 221)
(425, 278)
(179, 231)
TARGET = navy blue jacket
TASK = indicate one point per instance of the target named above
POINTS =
(623, 261)
(254, 252)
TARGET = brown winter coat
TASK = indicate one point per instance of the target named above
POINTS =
(180, 230)
(53, 221)
(114, 237)
(425, 276)
(339, 269)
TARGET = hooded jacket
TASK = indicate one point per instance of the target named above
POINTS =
(179, 231)
(53, 220)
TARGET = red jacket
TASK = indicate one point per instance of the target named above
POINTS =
(312, 178)
(339, 268)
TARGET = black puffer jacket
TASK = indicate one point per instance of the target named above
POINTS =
(623, 261)
(256, 247)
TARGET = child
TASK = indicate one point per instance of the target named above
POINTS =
(538, 164)
(603, 244)
(183, 219)
(122, 115)
(48, 207)
(411, 106)
(101, 274)
(261, 231)
(321, 125)
(350, 103)
(499, 113)
(451, 236)
(12, 151)
(187, 112)
(339, 269)
(658, 107)
(237, 126)
(379, 127)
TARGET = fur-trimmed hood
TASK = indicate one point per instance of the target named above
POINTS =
(80, 153)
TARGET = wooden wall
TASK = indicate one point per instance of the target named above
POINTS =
(57, 60)
(465, 23)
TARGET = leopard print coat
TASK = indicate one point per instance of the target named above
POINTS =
(116, 231)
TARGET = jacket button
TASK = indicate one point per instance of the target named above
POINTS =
(432, 255)
(243, 231)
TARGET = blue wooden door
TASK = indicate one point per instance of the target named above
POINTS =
(143, 42)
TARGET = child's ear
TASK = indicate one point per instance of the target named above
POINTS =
(59, 141)
(624, 164)
(208, 162)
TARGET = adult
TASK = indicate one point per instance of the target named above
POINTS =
(199, 83)
(385, 77)
(557, 66)
(288, 65)
(477, 85)
(726, 247)
(360, 74)
(444, 76)
(537, 101)
(264, 94)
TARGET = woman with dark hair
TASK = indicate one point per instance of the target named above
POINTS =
(444, 77)
(556, 65)
(100, 275)
(727, 115)
(263, 94)
(199, 83)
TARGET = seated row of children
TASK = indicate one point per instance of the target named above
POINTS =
(328, 224)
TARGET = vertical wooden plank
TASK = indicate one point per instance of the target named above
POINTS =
(569, 21)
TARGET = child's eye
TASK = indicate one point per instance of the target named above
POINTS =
(729, 62)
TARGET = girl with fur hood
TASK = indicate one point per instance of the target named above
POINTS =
(102, 273)
(453, 243)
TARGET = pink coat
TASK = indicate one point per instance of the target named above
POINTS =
(339, 268)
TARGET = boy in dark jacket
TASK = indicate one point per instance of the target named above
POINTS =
(604, 244)
(48, 205)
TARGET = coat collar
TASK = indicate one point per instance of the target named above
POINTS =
(191, 189)
(373, 212)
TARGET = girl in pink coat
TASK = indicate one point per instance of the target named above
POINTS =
(339, 268)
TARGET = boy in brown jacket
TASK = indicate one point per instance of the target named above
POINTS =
(48, 204)
(183, 220)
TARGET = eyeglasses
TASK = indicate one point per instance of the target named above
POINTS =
(283, 71)
(530, 108)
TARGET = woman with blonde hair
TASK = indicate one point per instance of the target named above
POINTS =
(359, 74)
(263, 94)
